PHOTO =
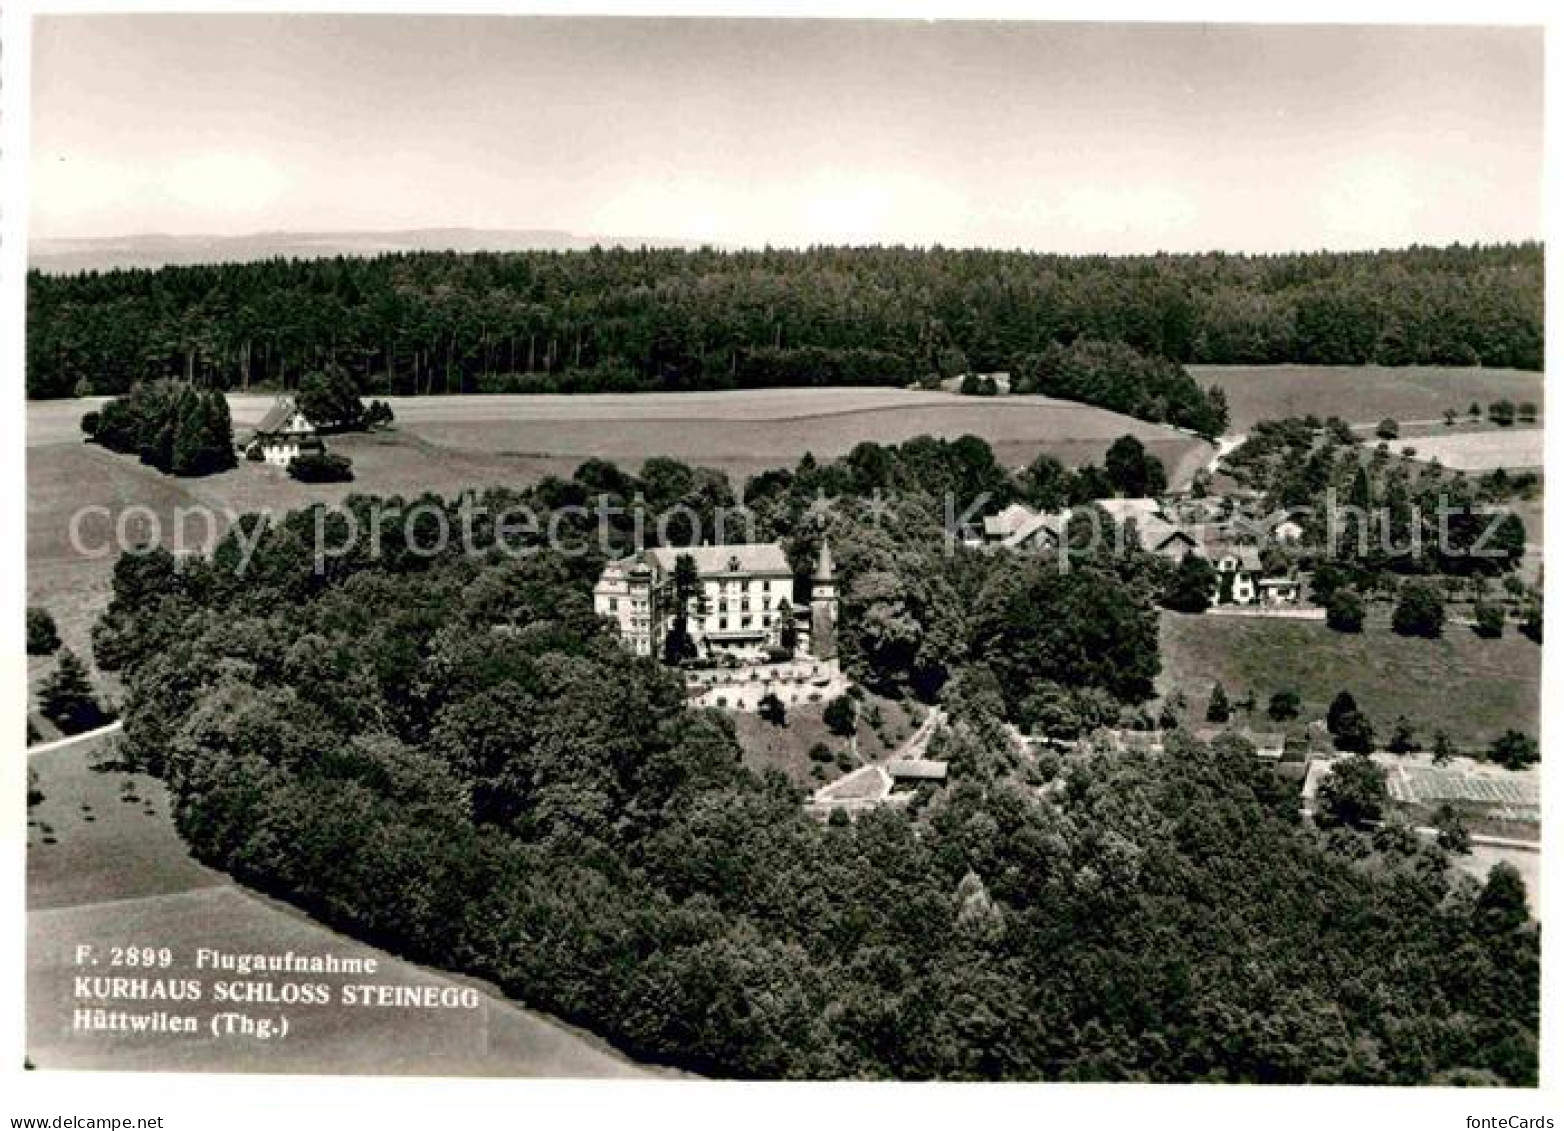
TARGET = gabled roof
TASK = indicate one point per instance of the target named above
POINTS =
(279, 414)
(1248, 557)
(1049, 524)
(1160, 536)
(1008, 520)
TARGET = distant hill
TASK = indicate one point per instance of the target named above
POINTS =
(65, 256)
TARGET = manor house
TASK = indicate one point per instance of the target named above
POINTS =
(747, 601)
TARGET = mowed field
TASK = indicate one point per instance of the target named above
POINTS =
(1361, 393)
(1513, 449)
(743, 433)
(446, 444)
(105, 868)
(1472, 688)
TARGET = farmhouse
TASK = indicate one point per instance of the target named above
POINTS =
(747, 599)
(283, 435)
(1166, 539)
(1156, 532)
(1019, 527)
(1238, 571)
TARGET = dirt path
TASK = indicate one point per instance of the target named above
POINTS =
(918, 741)
(75, 739)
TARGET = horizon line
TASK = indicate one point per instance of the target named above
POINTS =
(693, 242)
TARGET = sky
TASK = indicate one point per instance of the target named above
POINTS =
(1074, 138)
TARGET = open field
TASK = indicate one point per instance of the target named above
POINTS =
(1511, 448)
(1361, 393)
(1472, 688)
(445, 444)
(105, 871)
(100, 835)
(739, 432)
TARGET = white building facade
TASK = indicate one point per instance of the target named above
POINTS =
(284, 434)
(746, 598)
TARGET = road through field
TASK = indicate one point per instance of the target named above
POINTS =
(106, 870)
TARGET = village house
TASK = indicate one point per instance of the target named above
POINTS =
(1019, 527)
(1239, 570)
(283, 435)
(1238, 575)
(1165, 539)
(1155, 531)
(747, 591)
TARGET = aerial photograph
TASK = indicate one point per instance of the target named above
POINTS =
(822, 550)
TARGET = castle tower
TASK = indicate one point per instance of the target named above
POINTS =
(645, 632)
(822, 606)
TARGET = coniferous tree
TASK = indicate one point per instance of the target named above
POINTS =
(1402, 738)
(1218, 710)
(66, 697)
(43, 638)
(1341, 706)
(1489, 620)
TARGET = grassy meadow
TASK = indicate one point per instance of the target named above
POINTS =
(1474, 689)
(1513, 449)
(105, 868)
(1361, 393)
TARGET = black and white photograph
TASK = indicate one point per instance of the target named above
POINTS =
(671, 548)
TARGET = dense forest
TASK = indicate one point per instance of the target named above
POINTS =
(629, 320)
(451, 757)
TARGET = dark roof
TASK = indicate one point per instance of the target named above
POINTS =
(1051, 525)
(277, 416)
